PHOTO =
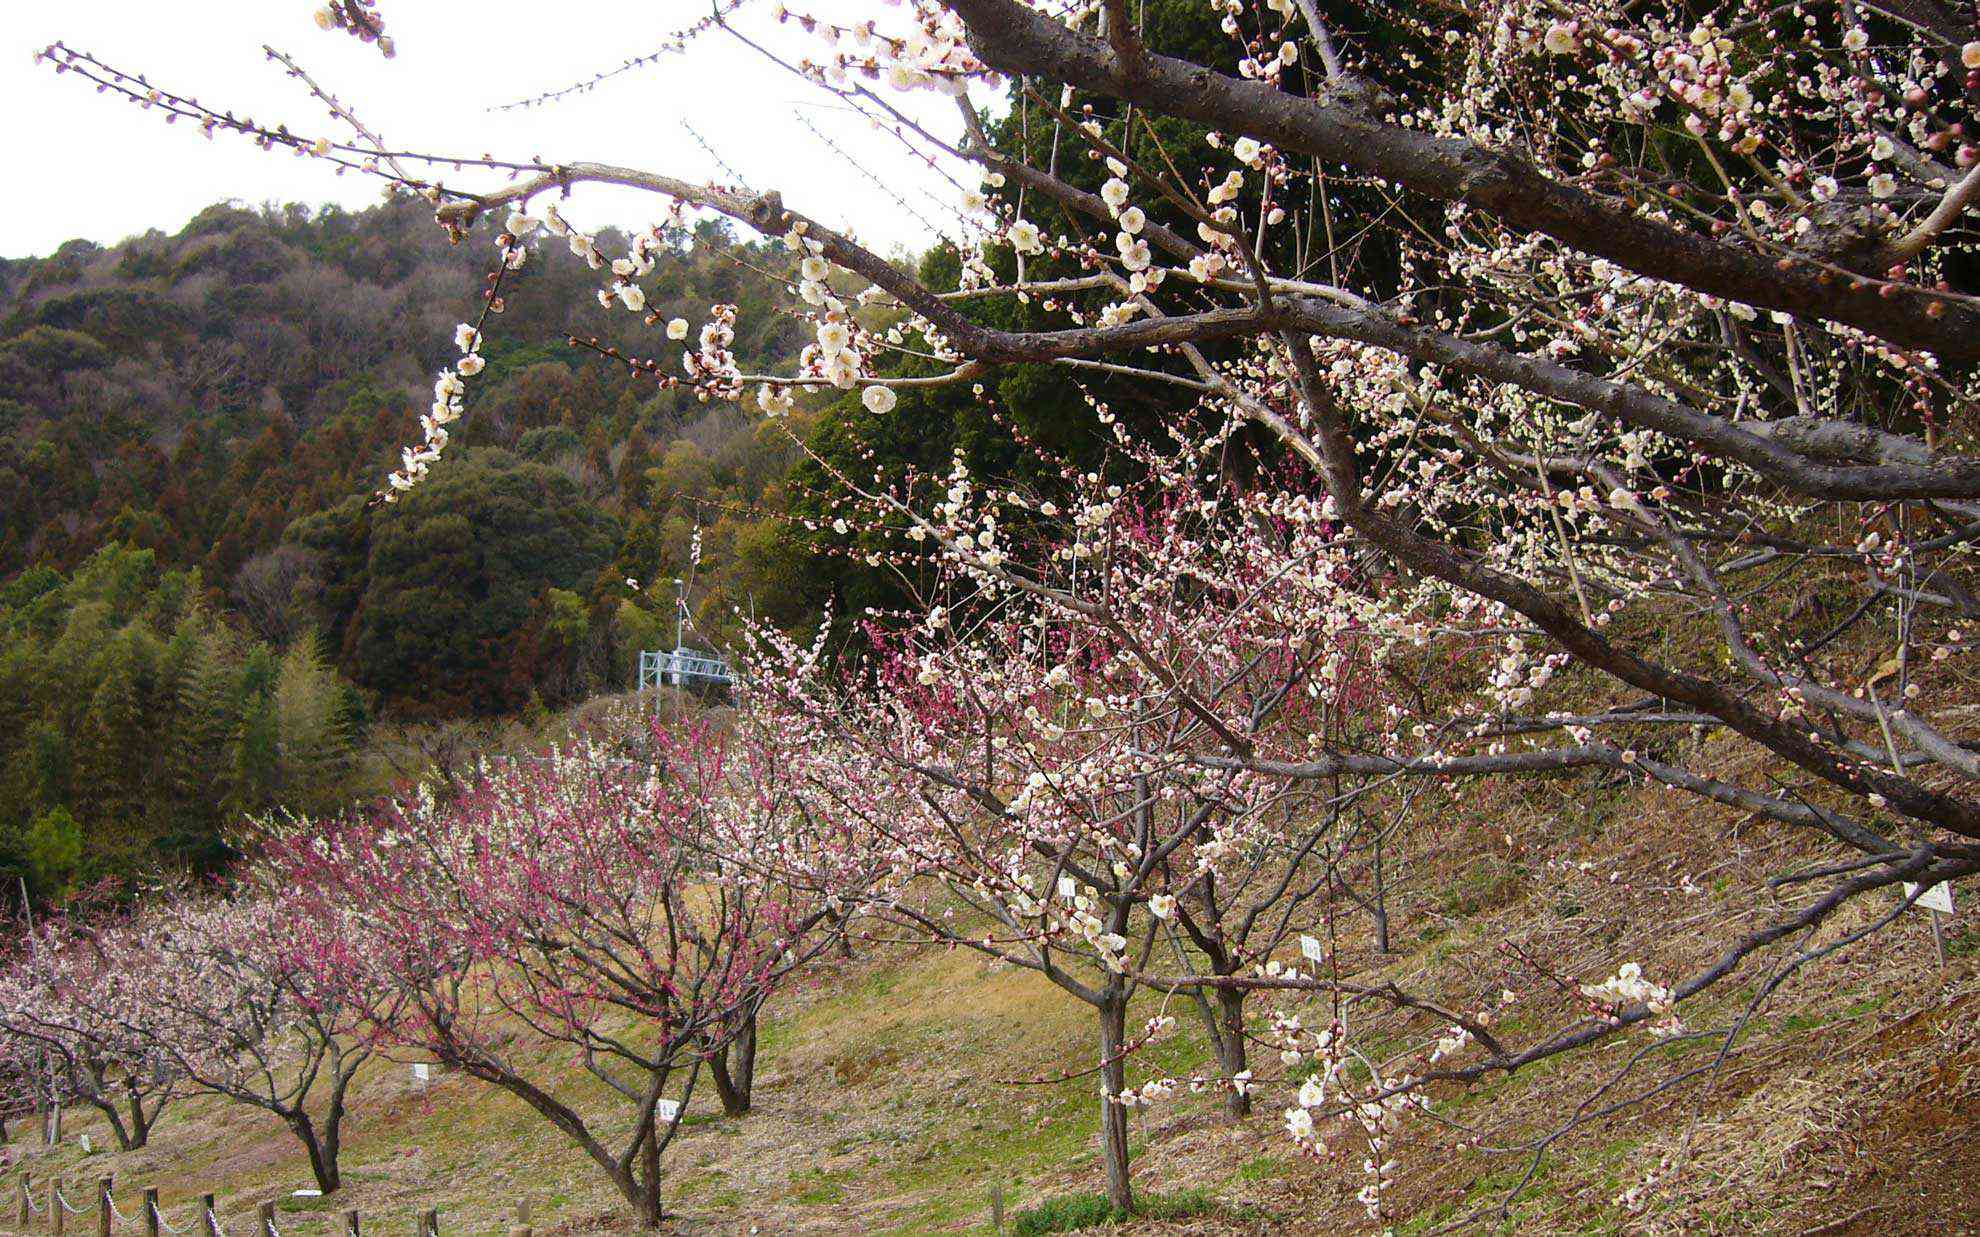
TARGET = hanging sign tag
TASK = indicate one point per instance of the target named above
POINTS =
(1937, 898)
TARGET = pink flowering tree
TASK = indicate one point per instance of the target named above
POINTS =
(756, 825)
(572, 900)
(31, 1080)
(212, 991)
(1626, 347)
(51, 1015)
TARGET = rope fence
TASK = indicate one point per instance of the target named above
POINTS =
(53, 1215)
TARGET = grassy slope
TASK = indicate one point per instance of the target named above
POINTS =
(1855, 1098)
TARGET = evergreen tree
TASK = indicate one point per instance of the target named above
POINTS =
(206, 718)
(54, 853)
(257, 751)
(313, 733)
(125, 702)
(117, 739)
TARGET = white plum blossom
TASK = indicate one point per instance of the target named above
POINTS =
(1628, 985)
(1299, 1123)
(775, 401)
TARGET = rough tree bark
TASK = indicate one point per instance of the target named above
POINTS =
(733, 1068)
(1113, 1114)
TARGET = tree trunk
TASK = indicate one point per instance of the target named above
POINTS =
(642, 1186)
(1113, 1114)
(140, 1123)
(843, 925)
(127, 1138)
(333, 1123)
(322, 1160)
(1231, 1057)
(733, 1067)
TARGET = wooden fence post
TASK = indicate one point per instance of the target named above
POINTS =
(55, 1203)
(151, 1211)
(209, 1222)
(27, 1208)
(352, 1224)
(267, 1220)
(429, 1224)
(103, 1187)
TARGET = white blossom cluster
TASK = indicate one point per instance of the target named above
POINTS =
(449, 389)
(1628, 986)
(931, 53)
(712, 366)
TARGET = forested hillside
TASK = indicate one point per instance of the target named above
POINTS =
(198, 395)
(191, 427)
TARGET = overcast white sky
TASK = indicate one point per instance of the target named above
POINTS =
(89, 165)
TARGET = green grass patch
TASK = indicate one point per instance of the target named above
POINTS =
(1072, 1212)
(818, 1187)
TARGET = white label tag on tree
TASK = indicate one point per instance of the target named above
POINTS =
(1937, 898)
(669, 1109)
